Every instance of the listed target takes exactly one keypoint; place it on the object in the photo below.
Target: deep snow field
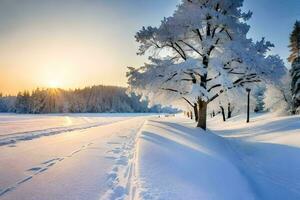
(136, 156)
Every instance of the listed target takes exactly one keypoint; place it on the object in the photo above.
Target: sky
(77, 43)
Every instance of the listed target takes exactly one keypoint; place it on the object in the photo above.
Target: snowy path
(81, 165)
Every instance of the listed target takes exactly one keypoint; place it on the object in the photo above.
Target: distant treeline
(93, 99)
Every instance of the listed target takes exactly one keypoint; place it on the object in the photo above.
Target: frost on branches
(278, 95)
(198, 54)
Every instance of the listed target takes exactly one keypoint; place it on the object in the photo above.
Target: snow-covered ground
(267, 153)
(71, 165)
(178, 161)
(233, 160)
(150, 157)
(15, 128)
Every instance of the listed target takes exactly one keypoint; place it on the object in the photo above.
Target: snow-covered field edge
(36, 130)
(14, 138)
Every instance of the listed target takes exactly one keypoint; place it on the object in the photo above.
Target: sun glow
(54, 84)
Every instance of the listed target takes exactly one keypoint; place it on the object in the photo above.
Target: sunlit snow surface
(15, 128)
(133, 156)
(71, 165)
(232, 160)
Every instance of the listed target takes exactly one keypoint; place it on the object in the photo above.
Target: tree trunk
(196, 112)
(229, 114)
(202, 105)
(223, 113)
(202, 109)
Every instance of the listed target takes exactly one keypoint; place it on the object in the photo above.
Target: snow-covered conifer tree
(294, 58)
(295, 85)
(295, 42)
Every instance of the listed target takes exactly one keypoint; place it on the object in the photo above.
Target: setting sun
(54, 84)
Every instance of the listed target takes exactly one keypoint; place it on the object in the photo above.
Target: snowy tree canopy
(200, 52)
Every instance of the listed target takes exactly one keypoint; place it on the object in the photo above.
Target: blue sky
(74, 43)
(273, 19)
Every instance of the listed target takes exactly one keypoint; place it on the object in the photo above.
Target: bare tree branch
(192, 47)
(199, 34)
(214, 86)
(188, 101)
(210, 79)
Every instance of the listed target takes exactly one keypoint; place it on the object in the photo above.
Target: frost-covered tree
(203, 52)
(259, 95)
(277, 96)
(93, 99)
(295, 42)
(295, 85)
(38, 101)
(276, 100)
(151, 82)
(294, 58)
(7, 103)
(23, 102)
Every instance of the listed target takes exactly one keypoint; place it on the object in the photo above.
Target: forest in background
(95, 99)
